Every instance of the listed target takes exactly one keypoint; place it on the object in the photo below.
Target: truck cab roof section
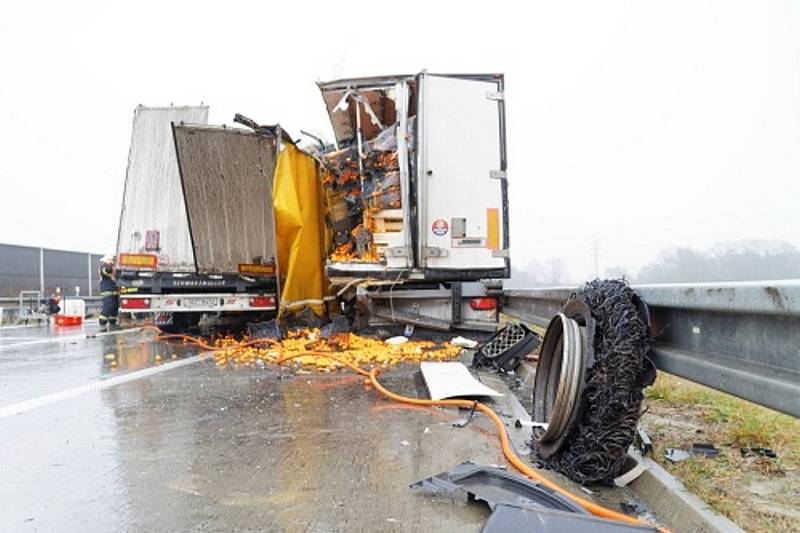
(227, 176)
(416, 185)
(153, 230)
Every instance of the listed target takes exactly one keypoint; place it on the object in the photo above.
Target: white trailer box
(446, 135)
(153, 219)
(196, 231)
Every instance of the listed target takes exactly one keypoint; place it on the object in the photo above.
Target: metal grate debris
(505, 349)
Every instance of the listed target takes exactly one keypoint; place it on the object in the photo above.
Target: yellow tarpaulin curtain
(300, 231)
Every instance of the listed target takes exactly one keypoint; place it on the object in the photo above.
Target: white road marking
(68, 338)
(48, 399)
(117, 332)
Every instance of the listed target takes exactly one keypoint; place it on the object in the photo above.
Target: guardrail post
(89, 271)
(41, 270)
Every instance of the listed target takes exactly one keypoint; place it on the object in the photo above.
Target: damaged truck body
(416, 193)
(412, 208)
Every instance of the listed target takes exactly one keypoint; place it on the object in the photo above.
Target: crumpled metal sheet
(518, 503)
(495, 486)
(507, 518)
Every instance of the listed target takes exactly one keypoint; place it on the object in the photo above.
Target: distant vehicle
(196, 231)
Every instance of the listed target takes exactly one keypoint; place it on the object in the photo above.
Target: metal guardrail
(741, 338)
(10, 307)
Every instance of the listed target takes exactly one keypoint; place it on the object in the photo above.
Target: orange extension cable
(372, 379)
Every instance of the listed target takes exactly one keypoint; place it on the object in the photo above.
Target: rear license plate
(199, 303)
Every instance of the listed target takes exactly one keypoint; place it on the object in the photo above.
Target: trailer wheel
(182, 322)
(587, 394)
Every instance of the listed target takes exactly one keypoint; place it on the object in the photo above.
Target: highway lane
(201, 448)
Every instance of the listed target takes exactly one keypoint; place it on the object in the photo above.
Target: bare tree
(746, 260)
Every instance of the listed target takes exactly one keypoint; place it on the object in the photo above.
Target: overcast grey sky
(645, 125)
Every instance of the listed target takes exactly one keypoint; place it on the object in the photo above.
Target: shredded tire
(612, 397)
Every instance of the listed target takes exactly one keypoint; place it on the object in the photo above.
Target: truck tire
(610, 337)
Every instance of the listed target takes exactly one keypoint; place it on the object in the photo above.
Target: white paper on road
(452, 380)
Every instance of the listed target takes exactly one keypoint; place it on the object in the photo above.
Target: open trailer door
(461, 178)
(227, 176)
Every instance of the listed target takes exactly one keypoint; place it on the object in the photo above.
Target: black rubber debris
(633, 508)
(764, 452)
(705, 449)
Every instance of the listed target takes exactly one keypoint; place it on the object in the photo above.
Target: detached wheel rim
(558, 379)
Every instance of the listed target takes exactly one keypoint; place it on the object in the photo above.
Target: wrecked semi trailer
(413, 193)
(196, 230)
(416, 197)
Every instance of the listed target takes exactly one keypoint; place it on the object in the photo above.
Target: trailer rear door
(153, 224)
(227, 178)
(461, 175)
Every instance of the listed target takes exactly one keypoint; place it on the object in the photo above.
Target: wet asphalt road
(198, 448)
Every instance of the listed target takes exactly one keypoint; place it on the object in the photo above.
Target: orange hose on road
(508, 451)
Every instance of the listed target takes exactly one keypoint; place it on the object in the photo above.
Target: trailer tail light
(135, 303)
(483, 304)
(262, 301)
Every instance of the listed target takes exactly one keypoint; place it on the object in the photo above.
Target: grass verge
(758, 493)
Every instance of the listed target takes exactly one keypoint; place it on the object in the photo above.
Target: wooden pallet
(387, 221)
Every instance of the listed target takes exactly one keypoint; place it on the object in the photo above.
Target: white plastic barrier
(73, 307)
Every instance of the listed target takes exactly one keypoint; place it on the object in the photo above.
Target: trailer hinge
(498, 174)
(500, 253)
(497, 96)
(397, 251)
(434, 251)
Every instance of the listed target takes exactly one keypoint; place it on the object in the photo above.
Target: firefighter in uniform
(109, 292)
